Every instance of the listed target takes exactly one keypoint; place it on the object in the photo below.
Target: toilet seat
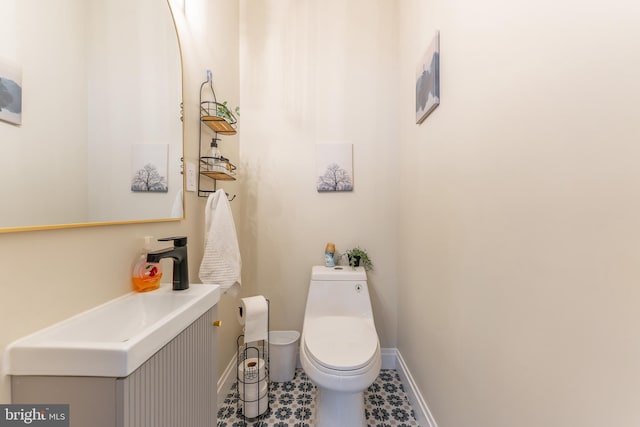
(341, 343)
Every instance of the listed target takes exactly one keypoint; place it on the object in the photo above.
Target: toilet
(339, 346)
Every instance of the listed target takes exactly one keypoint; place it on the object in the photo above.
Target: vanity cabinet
(174, 387)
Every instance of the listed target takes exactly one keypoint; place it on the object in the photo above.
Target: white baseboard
(391, 359)
(226, 381)
(419, 405)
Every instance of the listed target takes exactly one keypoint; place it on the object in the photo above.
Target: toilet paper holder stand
(252, 376)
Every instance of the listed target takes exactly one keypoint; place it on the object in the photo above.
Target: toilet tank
(338, 273)
(338, 291)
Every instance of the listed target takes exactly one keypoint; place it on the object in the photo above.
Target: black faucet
(179, 255)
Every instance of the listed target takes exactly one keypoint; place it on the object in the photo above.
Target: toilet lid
(341, 343)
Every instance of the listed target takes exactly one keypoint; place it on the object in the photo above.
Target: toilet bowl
(339, 346)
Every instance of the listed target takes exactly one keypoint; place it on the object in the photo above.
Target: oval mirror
(96, 137)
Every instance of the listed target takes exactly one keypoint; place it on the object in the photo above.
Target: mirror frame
(4, 230)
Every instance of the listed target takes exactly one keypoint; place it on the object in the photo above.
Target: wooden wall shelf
(219, 125)
(217, 117)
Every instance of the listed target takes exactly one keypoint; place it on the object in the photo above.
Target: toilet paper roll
(254, 315)
(251, 392)
(256, 406)
(251, 370)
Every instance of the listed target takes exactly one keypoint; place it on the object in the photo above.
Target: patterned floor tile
(292, 404)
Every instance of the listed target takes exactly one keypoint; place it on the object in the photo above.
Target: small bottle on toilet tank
(329, 255)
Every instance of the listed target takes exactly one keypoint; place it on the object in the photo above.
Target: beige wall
(50, 275)
(518, 220)
(316, 72)
(209, 40)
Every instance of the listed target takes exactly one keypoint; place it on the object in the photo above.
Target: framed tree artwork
(149, 168)
(335, 167)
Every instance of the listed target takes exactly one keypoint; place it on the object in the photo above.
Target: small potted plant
(224, 112)
(359, 257)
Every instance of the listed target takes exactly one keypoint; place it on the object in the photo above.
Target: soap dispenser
(146, 275)
(215, 154)
(214, 148)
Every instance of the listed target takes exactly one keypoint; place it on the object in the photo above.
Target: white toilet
(339, 346)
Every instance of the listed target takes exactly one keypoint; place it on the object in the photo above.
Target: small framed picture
(428, 80)
(335, 167)
(10, 93)
(149, 168)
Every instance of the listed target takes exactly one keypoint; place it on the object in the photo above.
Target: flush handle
(217, 323)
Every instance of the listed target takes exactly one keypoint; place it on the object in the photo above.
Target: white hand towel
(221, 262)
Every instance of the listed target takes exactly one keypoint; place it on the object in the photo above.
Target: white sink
(112, 339)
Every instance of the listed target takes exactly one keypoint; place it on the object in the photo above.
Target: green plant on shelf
(222, 110)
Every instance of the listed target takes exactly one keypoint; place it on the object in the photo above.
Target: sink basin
(112, 339)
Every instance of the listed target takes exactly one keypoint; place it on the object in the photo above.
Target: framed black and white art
(428, 80)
